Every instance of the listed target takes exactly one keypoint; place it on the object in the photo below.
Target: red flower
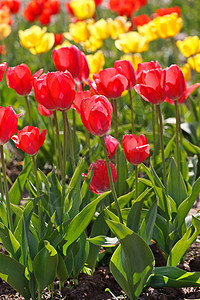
(59, 37)
(3, 68)
(45, 17)
(55, 90)
(98, 2)
(85, 71)
(168, 11)
(136, 148)
(100, 180)
(141, 20)
(13, 5)
(29, 139)
(126, 7)
(8, 123)
(44, 111)
(152, 89)
(68, 58)
(53, 6)
(146, 66)
(187, 92)
(96, 114)
(175, 82)
(111, 145)
(19, 78)
(80, 95)
(126, 68)
(110, 83)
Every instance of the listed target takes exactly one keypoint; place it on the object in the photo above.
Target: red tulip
(100, 180)
(136, 148)
(175, 82)
(80, 95)
(96, 114)
(59, 37)
(186, 94)
(98, 2)
(152, 89)
(141, 20)
(53, 6)
(29, 139)
(68, 58)
(111, 145)
(168, 11)
(8, 123)
(110, 83)
(19, 78)
(85, 71)
(44, 111)
(45, 17)
(126, 7)
(3, 68)
(126, 68)
(146, 66)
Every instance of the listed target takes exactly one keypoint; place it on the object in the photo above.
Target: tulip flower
(98, 2)
(8, 123)
(29, 139)
(85, 71)
(3, 68)
(5, 30)
(125, 7)
(99, 29)
(100, 180)
(58, 39)
(110, 83)
(118, 26)
(189, 46)
(92, 44)
(168, 11)
(96, 62)
(78, 32)
(44, 111)
(175, 82)
(96, 114)
(132, 42)
(125, 68)
(82, 9)
(168, 26)
(146, 66)
(111, 145)
(194, 62)
(141, 20)
(80, 95)
(135, 59)
(149, 31)
(68, 58)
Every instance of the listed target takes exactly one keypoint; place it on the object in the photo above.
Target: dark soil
(93, 286)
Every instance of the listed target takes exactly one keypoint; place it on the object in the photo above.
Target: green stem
(1, 189)
(115, 115)
(87, 133)
(29, 110)
(39, 202)
(154, 131)
(64, 156)
(10, 222)
(162, 145)
(58, 140)
(174, 50)
(71, 144)
(131, 106)
(74, 128)
(136, 181)
(178, 149)
(54, 143)
(111, 180)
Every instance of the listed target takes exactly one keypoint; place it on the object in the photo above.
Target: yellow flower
(99, 29)
(132, 42)
(83, 9)
(118, 26)
(92, 44)
(5, 30)
(168, 26)
(189, 46)
(186, 72)
(149, 31)
(194, 62)
(45, 45)
(78, 32)
(64, 44)
(96, 62)
(135, 59)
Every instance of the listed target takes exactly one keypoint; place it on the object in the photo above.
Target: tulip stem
(114, 104)
(154, 132)
(29, 110)
(58, 140)
(71, 144)
(39, 202)
(178, 149)
(87, 133)
(111, 180)
(162, 145)
(136, 181)
(74, 128)
(54, 143)
(10, 222)
(64, 156)
(131, 105)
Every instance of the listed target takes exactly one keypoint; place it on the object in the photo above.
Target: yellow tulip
(118, 26)
(92, 44)
(168, 26)
(186, 72)
(83, 9)
(5, 30)
(31, 37)
(96, 62)
(78, 32)
(149, 31)
(132, 42)
(189, 46)
(45, 45)
(135, 59)
(194, 62)
(99, 29)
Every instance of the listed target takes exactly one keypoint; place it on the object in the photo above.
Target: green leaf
(132, 262)
(191, 147)
(14, 274)
(123, 200)
(123, 174)
(173, 277)
(172, 184)
(62, 273)
(184, 243)
(146, 228)
(3, 213)
(80, 252)
(17, 188)
(104, 241)
(55, 198)
(81, 221)
(9, 241)
(45, 266)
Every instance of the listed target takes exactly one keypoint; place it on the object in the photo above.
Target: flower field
(99, 114)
